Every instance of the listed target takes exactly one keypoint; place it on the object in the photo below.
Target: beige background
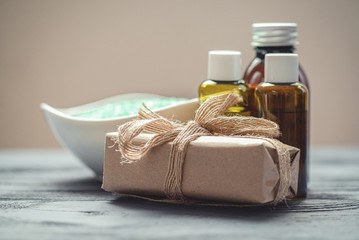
(68, 53)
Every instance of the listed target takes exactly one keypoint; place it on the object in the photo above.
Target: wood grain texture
(48, 194)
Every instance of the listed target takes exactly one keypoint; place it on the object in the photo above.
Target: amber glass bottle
(282, 99)
(224, 76)
(269, 38)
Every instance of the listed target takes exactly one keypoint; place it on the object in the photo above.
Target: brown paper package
(216, 168)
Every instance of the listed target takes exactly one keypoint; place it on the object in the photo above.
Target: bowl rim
(66, 112)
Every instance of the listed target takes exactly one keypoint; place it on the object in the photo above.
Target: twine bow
(207, 122)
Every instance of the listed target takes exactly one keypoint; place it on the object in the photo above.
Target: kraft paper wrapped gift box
(216, 168)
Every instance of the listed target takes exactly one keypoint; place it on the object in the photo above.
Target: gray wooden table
(49, 194)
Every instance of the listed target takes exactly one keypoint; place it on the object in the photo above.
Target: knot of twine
(207, 122)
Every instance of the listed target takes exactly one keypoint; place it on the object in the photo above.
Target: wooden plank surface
(48, 194)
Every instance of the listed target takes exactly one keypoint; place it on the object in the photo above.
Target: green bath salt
(127, 107)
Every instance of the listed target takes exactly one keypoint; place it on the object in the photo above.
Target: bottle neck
(226, 82)
(262, 51)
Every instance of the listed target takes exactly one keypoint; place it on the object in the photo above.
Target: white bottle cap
(224, 65)
(274, 34)
(281, 68)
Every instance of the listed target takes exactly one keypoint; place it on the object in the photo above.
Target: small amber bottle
(282, 99)
(224, 76)
(269, 38)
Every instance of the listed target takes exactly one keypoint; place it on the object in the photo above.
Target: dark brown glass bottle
(269, 38)
(282, 99)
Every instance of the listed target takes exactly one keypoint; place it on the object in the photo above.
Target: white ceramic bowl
(85, 137)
